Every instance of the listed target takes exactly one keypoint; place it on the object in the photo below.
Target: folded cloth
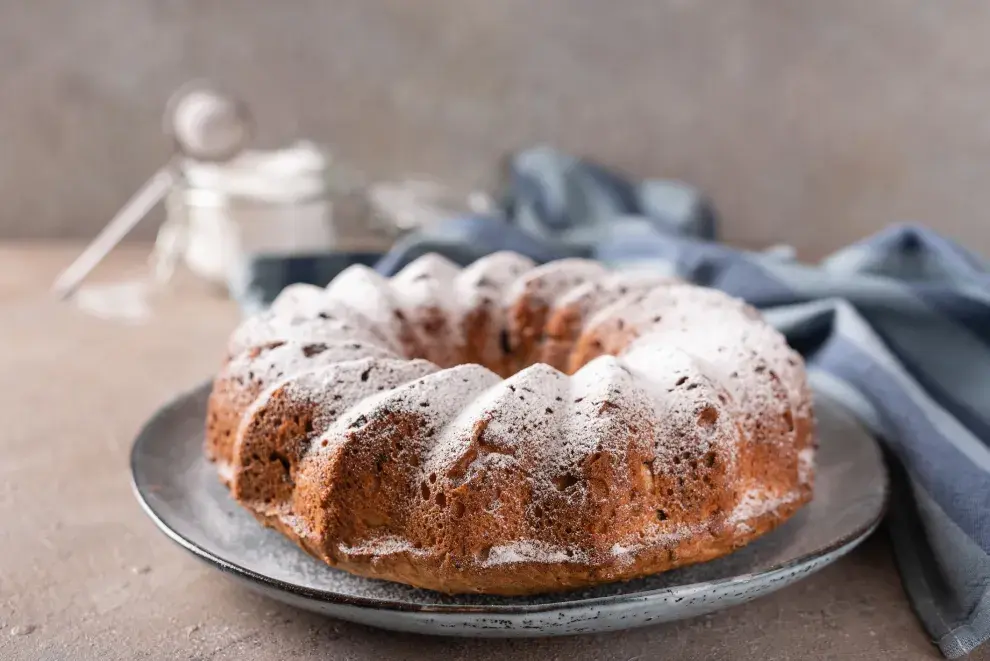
(897, 327)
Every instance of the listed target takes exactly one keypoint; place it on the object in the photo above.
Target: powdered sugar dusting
(481, 290)
(426, 293)
(357, 294)
(662, 537)
(485, 281)
(296, 298)
(806, 465)
(520, 419)
(544, 284)
(437, 397)
(364, 290)
(342, 386)
(423, 282)
(742, 353)
(381, 546)
(669, 536)
(270, 327)
(757, 502)
(619, 549)
(226, 471)
(682, 389)
(270, 365)
(298, 524)
(604, 396)
(592, 296)
(529, 550)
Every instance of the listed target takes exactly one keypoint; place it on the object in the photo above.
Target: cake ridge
(269, 327)
(482, 289)
(420, 389)
(489, 431)
(429, 304)
(366, 291)
(314, 400)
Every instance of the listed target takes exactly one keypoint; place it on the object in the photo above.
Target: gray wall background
(808, 122)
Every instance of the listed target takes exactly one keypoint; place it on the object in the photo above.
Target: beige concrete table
(84, 575)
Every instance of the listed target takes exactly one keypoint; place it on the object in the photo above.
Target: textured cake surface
(510, 428)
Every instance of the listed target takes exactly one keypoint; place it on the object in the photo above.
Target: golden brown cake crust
(512, 430)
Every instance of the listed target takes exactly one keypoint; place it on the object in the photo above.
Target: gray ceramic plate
(179, 490)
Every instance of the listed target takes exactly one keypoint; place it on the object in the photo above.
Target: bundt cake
(509, 428)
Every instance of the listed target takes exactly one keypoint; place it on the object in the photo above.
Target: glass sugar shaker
(205, 125)
(273, 202)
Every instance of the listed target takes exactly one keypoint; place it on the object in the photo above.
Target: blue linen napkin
(897, 327)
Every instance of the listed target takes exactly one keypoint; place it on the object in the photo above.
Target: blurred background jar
(289, 208)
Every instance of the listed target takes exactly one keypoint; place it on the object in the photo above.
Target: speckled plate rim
(817, 558)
